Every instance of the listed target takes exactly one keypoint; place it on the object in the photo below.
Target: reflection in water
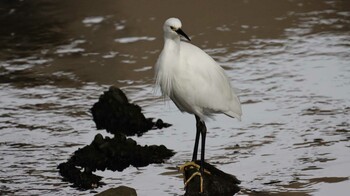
(289, 59)
(27, 28)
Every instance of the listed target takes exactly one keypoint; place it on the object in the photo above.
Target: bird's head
(172, 29)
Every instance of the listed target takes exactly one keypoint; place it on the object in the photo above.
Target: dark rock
(215, 183)
(118, 153)
(160, 124)
(82, 180)
(114, 113)
(119, 191)
(114, 154)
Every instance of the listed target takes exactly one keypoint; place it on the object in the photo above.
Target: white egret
(194, 82)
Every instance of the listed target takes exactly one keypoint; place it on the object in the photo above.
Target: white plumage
(195, 83)
(192, 79)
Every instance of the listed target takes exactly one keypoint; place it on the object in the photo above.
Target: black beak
(180, 32)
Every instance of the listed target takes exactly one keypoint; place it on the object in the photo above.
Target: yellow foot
(192, 165)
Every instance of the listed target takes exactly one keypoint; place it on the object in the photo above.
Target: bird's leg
(201, 130)
(193, 163)
(203, 133)
(195, 149)
(198, 131)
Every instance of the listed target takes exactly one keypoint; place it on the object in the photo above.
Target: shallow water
(289, 60)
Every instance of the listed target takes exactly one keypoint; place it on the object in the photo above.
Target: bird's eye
(172, 28)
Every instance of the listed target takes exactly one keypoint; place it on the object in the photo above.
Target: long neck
(167, 63)
(172, 45)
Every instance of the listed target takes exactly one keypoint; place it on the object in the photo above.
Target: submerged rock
(118, 153)
(114, 154)
(114, 113)
(215, 183)
(119, 191)
(83, 180)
